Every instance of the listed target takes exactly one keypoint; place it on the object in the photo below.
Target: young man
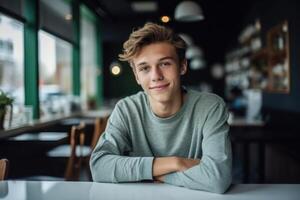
(165, 133)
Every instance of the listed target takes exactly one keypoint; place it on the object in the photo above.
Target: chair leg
(87, 170)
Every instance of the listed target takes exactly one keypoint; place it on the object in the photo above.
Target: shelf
(269, 67)
(261, 54)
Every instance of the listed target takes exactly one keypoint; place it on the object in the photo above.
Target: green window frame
(31, 71)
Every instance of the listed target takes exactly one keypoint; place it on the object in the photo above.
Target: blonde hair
(149, 34)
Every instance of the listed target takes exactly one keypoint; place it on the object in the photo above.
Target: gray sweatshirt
(134, 136)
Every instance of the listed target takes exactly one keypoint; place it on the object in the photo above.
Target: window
(55, 73)
(11, 58)
(88, 58)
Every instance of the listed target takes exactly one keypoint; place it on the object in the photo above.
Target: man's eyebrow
(141, 64)
(161, 59)
(166, 58)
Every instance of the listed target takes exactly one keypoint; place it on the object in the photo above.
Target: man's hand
(166, 165)
(186, 163)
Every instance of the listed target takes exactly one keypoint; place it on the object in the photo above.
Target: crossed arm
(166, 165)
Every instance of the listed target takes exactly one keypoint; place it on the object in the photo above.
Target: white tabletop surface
(31, 190)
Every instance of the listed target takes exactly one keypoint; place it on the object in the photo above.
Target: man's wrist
(176, 163)
(165, 165)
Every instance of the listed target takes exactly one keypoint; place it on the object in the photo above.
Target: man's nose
(156, 74)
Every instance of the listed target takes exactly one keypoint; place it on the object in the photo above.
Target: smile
(159, 87)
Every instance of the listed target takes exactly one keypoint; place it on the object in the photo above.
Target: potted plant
(5, 101)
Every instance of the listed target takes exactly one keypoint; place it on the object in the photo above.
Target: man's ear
(183, 67)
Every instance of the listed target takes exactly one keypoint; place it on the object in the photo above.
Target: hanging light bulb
(197, 63)
(165, 19)
(217, 71)
(188, 40)
(193, 51)
(188, 11)
(115, 68)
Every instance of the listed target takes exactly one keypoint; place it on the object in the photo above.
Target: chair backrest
(100, 125)
(77, 138)
(4, 165)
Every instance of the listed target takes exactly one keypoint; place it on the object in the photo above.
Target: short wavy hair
(151, 33)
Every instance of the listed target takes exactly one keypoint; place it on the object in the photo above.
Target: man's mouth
(159, 87)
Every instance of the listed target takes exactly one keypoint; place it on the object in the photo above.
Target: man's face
(157, 70)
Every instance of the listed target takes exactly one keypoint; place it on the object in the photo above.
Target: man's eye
(144, 69)
(163, 64)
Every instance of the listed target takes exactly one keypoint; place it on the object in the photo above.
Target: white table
(47, 190)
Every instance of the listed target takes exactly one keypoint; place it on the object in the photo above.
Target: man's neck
(169, 108)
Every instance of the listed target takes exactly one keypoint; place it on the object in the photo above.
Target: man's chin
(162, 98)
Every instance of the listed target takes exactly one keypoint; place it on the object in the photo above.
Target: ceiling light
(257, 25)
(188, 11)
(144, 6)
(115, 68)
(197, 63)
(165, 19)
(217, 71)
(193, 51)
(188, 40)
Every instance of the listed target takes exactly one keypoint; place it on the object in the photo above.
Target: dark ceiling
(223, 21)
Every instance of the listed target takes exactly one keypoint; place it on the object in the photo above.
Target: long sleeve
(108, 161)
(213, 173)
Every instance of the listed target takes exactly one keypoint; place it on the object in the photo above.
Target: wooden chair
(63, 151)
(4, 165)
(77, 138)
(100, 125)
(75, 157)
(99, 128)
